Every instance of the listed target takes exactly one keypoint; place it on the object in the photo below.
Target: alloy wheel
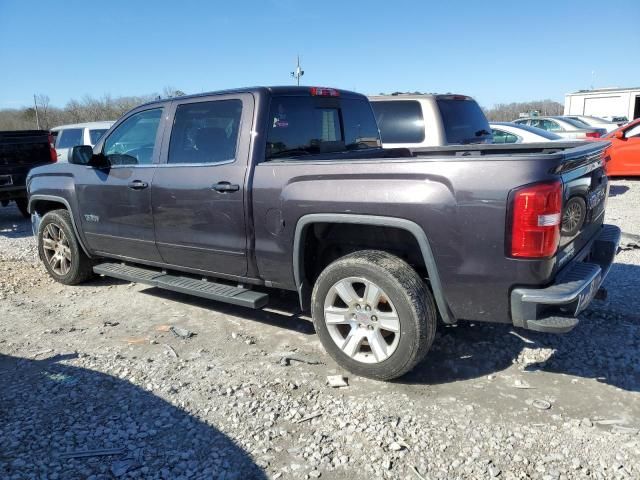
(362, 320)
(56, 249)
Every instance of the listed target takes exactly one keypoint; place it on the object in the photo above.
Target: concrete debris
(181, 332)
(541, 404)
(336, 381)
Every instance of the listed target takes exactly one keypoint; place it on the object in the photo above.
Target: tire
(23, 206)
(575, 212)
(56, 238)
(403, 302)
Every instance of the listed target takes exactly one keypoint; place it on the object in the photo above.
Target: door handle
(138, 185)
(224, 187)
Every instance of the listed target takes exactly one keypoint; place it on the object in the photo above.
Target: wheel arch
(39, 205)
(412, 228)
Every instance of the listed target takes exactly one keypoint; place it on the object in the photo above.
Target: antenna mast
(298, 72)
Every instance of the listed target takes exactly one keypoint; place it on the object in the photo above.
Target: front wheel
(374, 314)
(60, 251)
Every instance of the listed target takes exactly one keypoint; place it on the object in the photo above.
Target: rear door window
(70, 138)
(303, 126)
(500, 136)
(400, 121)
(205, 132)
(463, 121)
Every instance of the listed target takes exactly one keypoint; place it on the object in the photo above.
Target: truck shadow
(604, 346)
(13, 224)
(283, 310)
(51, 411)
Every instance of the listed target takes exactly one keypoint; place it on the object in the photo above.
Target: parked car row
(565, 127)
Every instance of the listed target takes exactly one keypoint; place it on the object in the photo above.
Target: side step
(191, 286)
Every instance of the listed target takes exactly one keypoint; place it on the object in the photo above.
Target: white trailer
(604, 102)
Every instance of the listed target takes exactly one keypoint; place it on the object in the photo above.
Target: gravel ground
(94, 384)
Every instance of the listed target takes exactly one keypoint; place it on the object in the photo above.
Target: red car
(624, 150)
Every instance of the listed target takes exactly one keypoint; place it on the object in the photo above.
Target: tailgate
(21, 150)
(585, 192)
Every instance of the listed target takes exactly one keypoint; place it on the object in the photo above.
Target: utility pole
(36, 105)
(298, 72)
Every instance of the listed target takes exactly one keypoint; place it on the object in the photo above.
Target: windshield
(301, 126)
(463, 121)
(575, 122)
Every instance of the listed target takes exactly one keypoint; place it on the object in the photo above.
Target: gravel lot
(94, 384)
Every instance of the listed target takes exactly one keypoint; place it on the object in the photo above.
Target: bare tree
(170, 91)
(506, 112)
(42, 102)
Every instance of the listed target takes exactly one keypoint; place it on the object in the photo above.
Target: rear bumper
(555, 308)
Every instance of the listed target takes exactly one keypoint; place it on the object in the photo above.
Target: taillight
(593, 134)
(537, 213)
(52, 149)
(324, 92)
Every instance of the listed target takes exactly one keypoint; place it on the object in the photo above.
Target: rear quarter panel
(460, 203)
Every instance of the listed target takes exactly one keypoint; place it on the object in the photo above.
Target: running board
(190, 286)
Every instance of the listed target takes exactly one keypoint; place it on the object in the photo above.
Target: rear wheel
(23, 206)
(374, 314)
(60, 251)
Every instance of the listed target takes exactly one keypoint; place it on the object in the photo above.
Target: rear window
(300, 126)
(96, 134)
(70, 138)
(576, 123)
(463, 121)
(400, 121)
(540, 132)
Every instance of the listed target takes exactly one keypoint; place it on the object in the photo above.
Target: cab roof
(272, 90)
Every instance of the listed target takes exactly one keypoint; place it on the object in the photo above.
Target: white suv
(69, 136)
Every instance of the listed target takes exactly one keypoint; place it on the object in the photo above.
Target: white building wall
(602, 103)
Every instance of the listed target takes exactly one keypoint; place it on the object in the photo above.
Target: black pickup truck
(227, 195)
(20, 151)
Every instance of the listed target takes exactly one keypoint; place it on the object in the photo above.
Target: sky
(498, 51)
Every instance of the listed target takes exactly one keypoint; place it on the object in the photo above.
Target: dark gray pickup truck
(230, 194)
(21, 150)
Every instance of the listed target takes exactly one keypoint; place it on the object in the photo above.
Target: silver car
(595, 122)
(563, 126)
(505, 132)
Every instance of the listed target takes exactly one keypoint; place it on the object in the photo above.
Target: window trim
(157, 146)
(171, 124)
